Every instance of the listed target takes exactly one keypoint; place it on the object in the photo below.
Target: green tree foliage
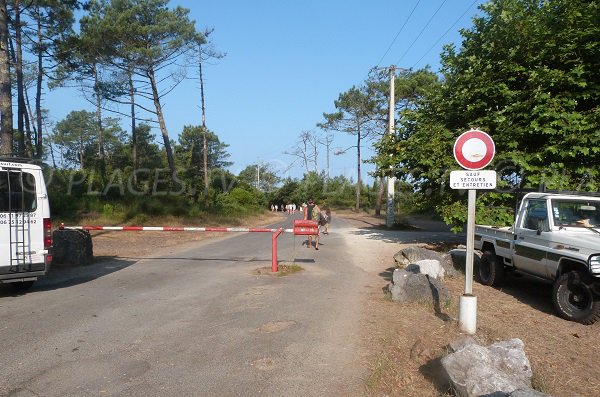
(260, 172)
(287, 193)
(411, 88)
(75, 137)
(190, 152)
(149, 154)
(241, 200)
(149, 37)
(190, 149)
(47, 22)
(356, 115)
(528, 73)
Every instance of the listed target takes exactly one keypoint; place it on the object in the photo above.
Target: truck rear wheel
(491, 269)
(574, 298)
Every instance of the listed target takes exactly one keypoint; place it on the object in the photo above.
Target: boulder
(72, 247)
(411, 255)
(527, 393)
(460, 344)
(497, 370)
(429, 267)
(408, 286)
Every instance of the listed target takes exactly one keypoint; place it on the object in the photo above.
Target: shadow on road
(64, 277)
(408, 237)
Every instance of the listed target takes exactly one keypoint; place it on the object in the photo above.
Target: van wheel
(491, 269)
(574, 298)
(22, 286)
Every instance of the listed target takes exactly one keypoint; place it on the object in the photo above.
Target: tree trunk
(31, 135)
(38, 89)
(99, 122)
(316, 154)
(359, 180)
(134, 138)
(161, 122)
(379, 196)
(19, 72)
(204, 143)
(6, 116)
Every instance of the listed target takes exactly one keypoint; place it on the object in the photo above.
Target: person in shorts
(325, 220)
(309, 215)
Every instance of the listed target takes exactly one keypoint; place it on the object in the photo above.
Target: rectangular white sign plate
(473, 180)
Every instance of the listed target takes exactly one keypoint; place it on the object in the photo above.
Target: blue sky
(286, 62)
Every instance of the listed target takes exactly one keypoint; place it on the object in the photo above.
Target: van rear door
(22, 236)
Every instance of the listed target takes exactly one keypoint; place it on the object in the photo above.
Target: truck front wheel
(491, 269)
(574, 298)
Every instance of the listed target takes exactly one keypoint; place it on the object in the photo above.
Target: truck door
(21, 232)
(531, 243)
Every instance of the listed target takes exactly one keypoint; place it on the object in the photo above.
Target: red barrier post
(274, 267)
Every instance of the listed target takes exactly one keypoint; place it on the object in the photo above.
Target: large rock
(429, 267)
(497, 370)
(411, 255)
(527, 393)
(72, 247)
(408, 286)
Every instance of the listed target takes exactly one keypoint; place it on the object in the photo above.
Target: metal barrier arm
(175, 229)
(300, 228)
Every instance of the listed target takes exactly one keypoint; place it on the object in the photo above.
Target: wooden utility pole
(258, 174)
(391, 178)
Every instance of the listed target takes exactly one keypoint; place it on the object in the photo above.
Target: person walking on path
(325, 219)
(311, 212)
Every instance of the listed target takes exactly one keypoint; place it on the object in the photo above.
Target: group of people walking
(289, 208)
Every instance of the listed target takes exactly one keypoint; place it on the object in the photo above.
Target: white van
(25, 226)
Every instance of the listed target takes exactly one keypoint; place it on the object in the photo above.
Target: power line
(421, 32)
(400, 31)
(445, 33)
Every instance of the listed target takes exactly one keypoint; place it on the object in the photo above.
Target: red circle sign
(474, 150)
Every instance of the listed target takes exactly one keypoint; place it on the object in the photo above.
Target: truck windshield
(576, 213)
(17, 192)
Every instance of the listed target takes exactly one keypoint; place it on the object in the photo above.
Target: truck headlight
(595, 264)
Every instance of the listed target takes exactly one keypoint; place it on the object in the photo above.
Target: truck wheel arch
(566, 265)
(488, 246)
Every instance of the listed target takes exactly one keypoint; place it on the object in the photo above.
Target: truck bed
(499, 237)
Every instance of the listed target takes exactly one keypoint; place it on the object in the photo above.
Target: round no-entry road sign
(474, 150)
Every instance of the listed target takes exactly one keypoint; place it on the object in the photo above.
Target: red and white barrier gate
(301, 228)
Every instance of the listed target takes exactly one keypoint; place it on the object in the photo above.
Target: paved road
(197, 323)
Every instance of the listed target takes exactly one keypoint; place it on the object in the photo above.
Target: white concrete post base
(467, 313)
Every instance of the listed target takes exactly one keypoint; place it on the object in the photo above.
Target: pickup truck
(555, 237)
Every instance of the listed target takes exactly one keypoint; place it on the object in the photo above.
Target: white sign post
(473, 150)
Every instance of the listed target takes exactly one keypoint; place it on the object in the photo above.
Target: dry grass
(282, 270)
(406, 341)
